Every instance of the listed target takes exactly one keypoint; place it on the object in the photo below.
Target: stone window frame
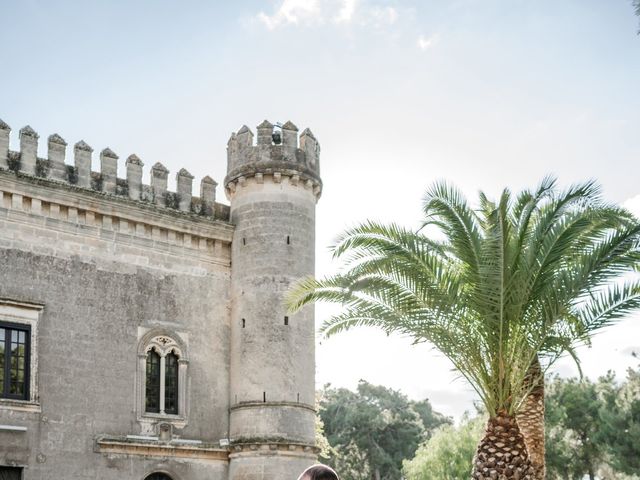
(28, 315)
(163, 341)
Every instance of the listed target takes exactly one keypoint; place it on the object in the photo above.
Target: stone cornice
(120, 206)
(243, 405)
(272, 448)
(174, 449)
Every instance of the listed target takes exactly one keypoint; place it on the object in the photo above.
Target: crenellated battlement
(106, 181)
(278, 152)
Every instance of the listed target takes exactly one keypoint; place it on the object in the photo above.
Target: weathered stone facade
(100, 272)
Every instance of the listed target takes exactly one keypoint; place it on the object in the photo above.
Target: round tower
(273, 187)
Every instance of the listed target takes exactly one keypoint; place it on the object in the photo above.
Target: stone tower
(273, 187)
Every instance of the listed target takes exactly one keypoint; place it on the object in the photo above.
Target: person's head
(318, 472)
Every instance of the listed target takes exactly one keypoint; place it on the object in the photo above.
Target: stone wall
(102, 266)
(107, 270)
(273, 187)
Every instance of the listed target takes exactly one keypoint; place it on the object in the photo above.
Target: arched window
(171, 384)
(152, 382)
(162, 378)
(158, 476)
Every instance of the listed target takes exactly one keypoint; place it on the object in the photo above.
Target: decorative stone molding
(106, 181)
(164, 342)
(164, 345)
(155, 448)
(242, 405)
(272, 447)
(274, 157)
(93, 215)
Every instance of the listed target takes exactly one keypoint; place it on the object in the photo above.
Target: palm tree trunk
(502, 454)
(531, 419)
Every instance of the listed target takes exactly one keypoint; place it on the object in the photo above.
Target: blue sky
(484, 93)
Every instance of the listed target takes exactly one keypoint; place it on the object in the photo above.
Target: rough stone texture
(107, 181)
(103, 281)
(134, 176)
(272, 358)
(56, 153)
(107, 268)
(88, 340)
(108, 170)
(28, 150)
(82, 158)
(5, 131)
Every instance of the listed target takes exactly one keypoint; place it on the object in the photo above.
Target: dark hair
(319, 472)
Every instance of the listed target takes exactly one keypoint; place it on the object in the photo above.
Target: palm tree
(514, 284)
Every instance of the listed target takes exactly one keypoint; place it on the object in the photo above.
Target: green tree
(373, 429)
(620, 417)
(448, 454)
(519, 280)
(574, 437)
(430, 418)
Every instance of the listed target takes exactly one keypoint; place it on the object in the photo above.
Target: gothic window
(162, 376)
(171, 384)
(153, 382)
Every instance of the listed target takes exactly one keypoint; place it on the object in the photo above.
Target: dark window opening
(288, 240)
(244, 241)
(14, 360)
(153, 383)
(157, 476)
(264, 397)
(171, 384)
(244, 323)
(286, 320)
(10, 473)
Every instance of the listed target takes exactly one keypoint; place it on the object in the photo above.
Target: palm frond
(522, 277)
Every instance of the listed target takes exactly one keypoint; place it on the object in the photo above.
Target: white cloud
(292, 12)
(383, 15)
(424, 43)
(317, 12)
(345, 15)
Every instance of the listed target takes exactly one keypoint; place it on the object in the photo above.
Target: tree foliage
(373, 429)
(620, 416)
(574, 446)
(523, 277)
(593, 428)
(448, 454)
(532, 274)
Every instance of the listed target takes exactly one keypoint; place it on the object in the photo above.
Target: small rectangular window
(286, 320)
(10, 473)
(14, 360)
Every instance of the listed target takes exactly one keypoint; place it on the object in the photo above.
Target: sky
(399, 93)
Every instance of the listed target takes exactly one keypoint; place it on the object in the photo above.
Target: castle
(143, 334)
